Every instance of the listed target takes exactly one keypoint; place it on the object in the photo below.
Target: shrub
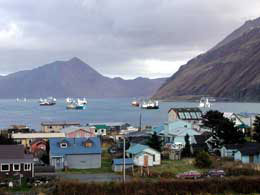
(202, 160)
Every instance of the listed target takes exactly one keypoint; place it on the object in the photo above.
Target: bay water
(30, 113)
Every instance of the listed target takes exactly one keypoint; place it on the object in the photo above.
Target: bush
(202, 160)
(238, 185)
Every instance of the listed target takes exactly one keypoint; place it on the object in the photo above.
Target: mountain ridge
(72, 78)
(229, 71)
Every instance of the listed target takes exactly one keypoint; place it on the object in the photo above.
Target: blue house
(249, 153)
(76, 153)
(175, 132)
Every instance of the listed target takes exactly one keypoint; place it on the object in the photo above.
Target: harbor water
(101, 110)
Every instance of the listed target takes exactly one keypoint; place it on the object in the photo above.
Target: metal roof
(136, 148)
(75, 146)
(75, 128)
(13, 153)
(60, 123)
(120, 161)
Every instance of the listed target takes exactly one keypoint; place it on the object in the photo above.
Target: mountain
(230, 70)
(73, 78)
(245, 28)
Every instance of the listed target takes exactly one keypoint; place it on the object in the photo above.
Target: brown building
(186, 114)
(56, 126)
(14, 162)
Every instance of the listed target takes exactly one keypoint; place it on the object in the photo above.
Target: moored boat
(150, 104)
(135, 103)
(50, 101)
(204, 103)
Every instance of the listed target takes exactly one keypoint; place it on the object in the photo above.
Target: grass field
(175, 166)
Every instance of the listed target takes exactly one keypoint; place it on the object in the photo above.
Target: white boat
(50, 101)
(69, 100)
(71, 106)
(82, 101)
(204, 103)
(150, 104)
(135, 103)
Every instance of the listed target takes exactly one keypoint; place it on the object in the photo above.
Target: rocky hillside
(231, 70)
(73, 78)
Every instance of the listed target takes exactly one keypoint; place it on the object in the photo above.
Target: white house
(143, 155)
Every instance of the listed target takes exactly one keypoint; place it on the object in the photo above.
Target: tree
(155, 142)
(202, 160)
(186, 151)
(257, 129)
(223, 130)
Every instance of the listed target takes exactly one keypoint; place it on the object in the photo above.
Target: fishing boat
(69, 100)
(50, 101)
(204, 103)
(82, 101)
(71, 106)
(150, 104)
(135, 103)
(80, 107)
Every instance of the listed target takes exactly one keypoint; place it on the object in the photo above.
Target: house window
(27, 167)
(88, 144)
(50, 127)
(63, 145)
(102, 131)
(16, 167)
(5, 167)
(95, 130)
(153, 157)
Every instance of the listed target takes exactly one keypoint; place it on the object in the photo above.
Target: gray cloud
(119, 38)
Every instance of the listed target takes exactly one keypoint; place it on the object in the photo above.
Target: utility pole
(140, 122)
(124, 160)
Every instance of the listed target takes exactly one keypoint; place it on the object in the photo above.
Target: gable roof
(187, 113)
(250, 148)
(14, 153)
(101, 126)
(60, 123)
(201, 139)
(137, 148)
(120, 161)
(11, 151)
(75, 128)
(75, 146)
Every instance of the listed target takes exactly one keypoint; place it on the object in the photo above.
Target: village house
(174, 132)
(193, 115)
(248, 153)
(113, 128)
(76, 153)
(14, 162)
(100, 130)
(78, 131)
(143, 155)
(229, 150)
(27, 138)
(118, 164)
(37, 145)
(56, 126)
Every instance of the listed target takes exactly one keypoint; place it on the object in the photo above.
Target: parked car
(189, 175)
(215, 173)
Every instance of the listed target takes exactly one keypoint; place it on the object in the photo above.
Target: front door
(145, 160)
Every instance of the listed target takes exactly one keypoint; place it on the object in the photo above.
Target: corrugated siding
(83, 161)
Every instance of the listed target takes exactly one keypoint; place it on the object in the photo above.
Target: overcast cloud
(126, 38)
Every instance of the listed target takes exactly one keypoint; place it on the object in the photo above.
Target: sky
(126, 38)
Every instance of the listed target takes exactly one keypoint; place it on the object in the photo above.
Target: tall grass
(244, 185)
